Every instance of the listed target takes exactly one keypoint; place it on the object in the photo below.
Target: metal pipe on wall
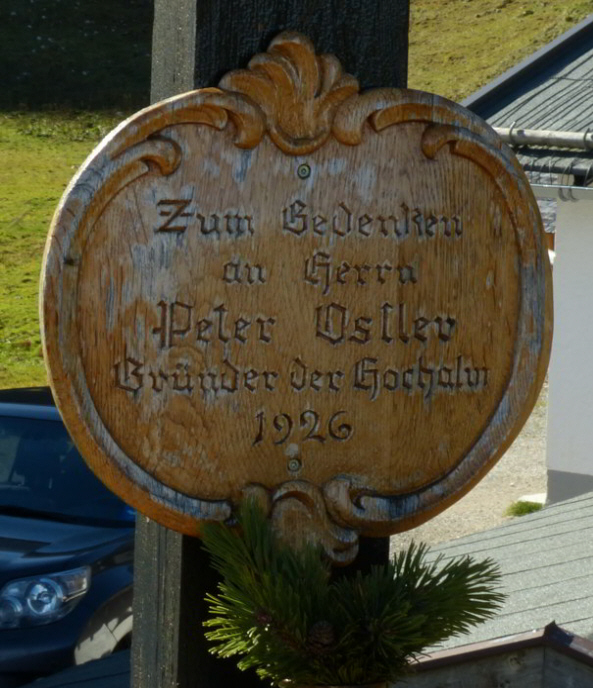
(544, 137)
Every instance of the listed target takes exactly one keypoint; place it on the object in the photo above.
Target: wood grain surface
(339, 303)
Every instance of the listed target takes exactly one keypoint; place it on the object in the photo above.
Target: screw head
(304, 171)
(294, 465)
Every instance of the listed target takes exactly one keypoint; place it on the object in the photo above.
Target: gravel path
(521, 471)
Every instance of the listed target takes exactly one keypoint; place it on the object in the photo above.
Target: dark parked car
(66, 547)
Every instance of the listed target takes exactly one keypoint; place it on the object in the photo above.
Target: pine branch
(278, 610)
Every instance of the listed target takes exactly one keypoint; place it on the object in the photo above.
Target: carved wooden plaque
(338, 302)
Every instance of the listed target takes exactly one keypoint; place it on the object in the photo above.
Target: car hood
(28, 545)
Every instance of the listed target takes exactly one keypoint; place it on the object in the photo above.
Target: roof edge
(552, 636)
(533, 63)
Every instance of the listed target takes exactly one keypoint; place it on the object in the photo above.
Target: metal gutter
(552, 636)
(563, 192)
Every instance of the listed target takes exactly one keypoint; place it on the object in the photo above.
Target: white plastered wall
(570, 401)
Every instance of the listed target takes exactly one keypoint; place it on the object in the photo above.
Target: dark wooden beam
(172, 575)
(369, 38)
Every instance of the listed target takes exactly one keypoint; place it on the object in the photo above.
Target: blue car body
(55, 516)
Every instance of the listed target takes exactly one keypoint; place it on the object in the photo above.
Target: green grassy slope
(457, 46)
(39, 153)
(94, 55)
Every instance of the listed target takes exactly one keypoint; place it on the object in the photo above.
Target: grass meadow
(71, 69)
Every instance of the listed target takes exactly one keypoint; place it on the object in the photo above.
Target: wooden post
(194, 44)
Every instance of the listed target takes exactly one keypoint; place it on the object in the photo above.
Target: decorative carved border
(298, 99)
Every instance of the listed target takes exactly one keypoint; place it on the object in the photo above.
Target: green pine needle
(281, 612)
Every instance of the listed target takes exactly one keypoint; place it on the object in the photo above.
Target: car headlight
(42, 599)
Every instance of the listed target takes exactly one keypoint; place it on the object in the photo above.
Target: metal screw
(294, 465)
(304, 171)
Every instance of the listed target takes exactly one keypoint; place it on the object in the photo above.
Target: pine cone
(262, 618)
(289, 640)
(321, 637)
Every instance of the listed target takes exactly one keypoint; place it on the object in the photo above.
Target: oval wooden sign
(340, 302)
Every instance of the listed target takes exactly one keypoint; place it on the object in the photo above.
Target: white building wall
(570, 401)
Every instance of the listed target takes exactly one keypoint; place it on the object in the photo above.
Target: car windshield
(42, 474)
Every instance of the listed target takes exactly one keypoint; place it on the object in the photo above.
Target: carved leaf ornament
(336, 302)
